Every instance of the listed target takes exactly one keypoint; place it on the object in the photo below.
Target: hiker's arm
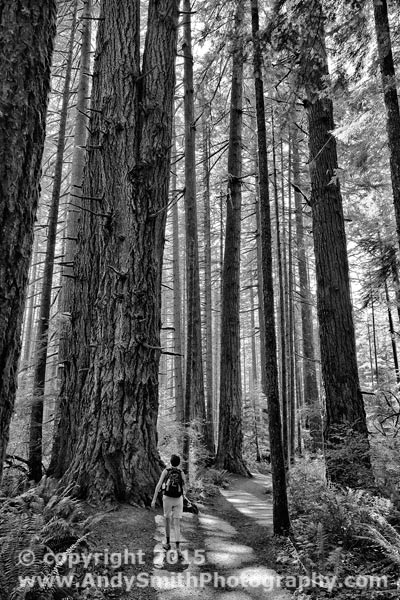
(183, 484)
(158, 488)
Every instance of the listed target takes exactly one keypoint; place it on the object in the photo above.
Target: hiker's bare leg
(177, 527)
(168, 529)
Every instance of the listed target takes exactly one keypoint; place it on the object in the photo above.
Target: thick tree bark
(24, 90)
(313, 420)
(281, 520)
(108, 438)
(194, 391)
(78, 164)
(229, 453)
(391, 99)
(345, 413)
(73, 215)
(39, 376)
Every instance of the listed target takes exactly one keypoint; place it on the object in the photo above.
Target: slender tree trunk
(260, 292)
(24, 89)
(253, 375)
(299, 387)
(194, 391)
(313, 420)
(177, 300)
(392, 334)
(281, 521)
(229, 454)
(282, 329)
(29, 324)
(375, 344)
(108, 446)
(208, 285)
(39, 377)
(291, 324)
(388, 75)
(345, 412)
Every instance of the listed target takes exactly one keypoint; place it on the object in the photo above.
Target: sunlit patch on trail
(250, 506)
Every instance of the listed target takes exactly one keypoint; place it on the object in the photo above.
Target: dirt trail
(227, 547)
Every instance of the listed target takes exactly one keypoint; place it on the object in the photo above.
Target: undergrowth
(38, 532)
(342, 532)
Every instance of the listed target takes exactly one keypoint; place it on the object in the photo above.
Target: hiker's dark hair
(175, 460)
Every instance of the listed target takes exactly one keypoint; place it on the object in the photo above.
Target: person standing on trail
(172, 482)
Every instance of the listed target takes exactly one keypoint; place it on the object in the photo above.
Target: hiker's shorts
(173, 507)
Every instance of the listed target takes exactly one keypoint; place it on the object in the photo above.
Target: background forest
(199, 252)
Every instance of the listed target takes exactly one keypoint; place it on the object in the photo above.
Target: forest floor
(229, 550)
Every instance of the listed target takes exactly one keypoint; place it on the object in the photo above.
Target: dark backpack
(173, 484)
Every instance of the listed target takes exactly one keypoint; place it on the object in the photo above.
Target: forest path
(226, 548)
(229, 550)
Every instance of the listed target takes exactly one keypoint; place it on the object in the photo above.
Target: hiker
(172, 482)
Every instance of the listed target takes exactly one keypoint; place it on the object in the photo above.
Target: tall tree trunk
(230, 439)
(253, 372)
(177, 303)
(392, 334)
(261, 319)
(281, 520)
(194, 391)
(375, 342)
(210, 444)
(282, 319)
(108, 442)
(73, 213)
(78, 162)
(313, 420)
(291, 323)
(39, 376)
(24, 90)
(388, 75)
(345, 413)
(29, 323)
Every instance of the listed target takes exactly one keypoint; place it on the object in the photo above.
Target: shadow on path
(226, 549)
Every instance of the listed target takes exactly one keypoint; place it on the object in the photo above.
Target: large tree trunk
(24, 89)
(73, 213)
(345, 413)
(108, 438)
(391, 99)
(281, 520)
(229, 454)
(194, 391)
(39, 376)
(313, 420)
